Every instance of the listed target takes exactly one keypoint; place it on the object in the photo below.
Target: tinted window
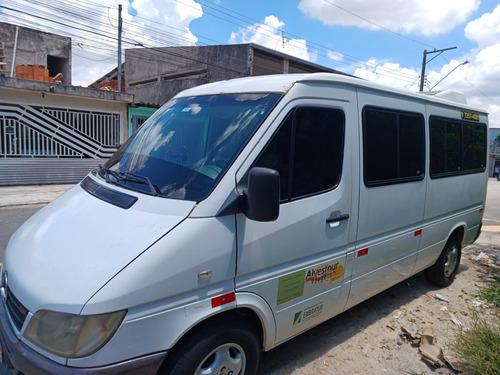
(307, 151)
(393, 144)
(457, 147)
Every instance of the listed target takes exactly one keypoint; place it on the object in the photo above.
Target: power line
(160, 37)
(495, 102)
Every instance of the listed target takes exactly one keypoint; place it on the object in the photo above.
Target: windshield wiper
(131, 177)
(108, 172)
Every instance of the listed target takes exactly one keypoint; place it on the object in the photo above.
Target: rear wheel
(220, 347)
(443, 272)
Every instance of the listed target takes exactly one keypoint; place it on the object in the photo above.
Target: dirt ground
(368, 339)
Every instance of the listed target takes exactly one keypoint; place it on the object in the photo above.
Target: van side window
(393, 146)
(457, 147)
(307, 151)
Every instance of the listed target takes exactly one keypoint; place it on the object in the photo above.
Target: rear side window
(393, 146)
(307, 151)
(457, 147)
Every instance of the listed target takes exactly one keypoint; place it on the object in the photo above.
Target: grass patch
(479, 347)
(492, 294)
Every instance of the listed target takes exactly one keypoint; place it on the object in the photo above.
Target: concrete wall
(154, 75)
(37, 47)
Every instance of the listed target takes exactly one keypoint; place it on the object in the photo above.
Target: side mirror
(263, 194)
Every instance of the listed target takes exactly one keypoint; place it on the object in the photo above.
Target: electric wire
(86, 11)
(171, 39)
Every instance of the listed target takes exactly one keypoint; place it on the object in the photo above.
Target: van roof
(281, 83)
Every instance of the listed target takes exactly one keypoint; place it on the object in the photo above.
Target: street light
(465, 62)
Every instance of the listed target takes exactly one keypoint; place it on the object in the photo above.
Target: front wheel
(220, 347)
(443, 272)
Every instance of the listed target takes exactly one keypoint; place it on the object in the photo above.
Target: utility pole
(424, 62)
(120, 48)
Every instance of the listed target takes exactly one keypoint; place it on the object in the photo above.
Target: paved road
(492, 211)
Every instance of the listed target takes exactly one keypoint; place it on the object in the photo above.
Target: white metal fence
(31, 137)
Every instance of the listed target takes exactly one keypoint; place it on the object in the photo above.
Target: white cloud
(485, 31)
(268, 34)
(421, 17)
(178, 17)
(388, 73)
(335, 56)
(151, 23)
(479, 80)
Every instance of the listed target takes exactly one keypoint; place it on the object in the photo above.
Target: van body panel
(432, 239)
(324, 295)
(390, 216)
(462, 193)
(260, 307)
(86, 259)
(390, 270)
(157, 326)
(452, 201)
(193, 247)
(274, 248)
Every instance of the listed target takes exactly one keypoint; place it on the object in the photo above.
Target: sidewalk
(11, 196)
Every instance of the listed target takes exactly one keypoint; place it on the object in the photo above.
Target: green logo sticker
(291, 286)
(297, 319)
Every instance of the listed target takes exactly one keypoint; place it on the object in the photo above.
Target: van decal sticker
(470, 116)
(297, 319)
(327, 272)
(308, 313)
(222, 300)
(291, 286)
(362, 252)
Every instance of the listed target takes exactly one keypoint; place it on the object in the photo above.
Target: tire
(225, 347)
(443, 272)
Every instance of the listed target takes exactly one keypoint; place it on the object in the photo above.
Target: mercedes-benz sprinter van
(241, 214)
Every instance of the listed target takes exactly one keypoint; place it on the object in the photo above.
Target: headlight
(72, 336)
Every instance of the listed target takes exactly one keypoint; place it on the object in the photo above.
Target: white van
(241, 214)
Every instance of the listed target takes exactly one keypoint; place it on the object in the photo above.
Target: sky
(381, 41)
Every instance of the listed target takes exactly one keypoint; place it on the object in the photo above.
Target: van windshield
(184, 149)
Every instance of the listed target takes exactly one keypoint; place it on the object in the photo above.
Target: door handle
(335, 221)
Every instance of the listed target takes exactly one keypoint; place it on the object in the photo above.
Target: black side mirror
(263, 194)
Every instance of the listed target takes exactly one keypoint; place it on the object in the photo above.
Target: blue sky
(379, 40)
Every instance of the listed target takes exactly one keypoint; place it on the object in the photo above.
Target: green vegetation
(479, 347)
(492, 294)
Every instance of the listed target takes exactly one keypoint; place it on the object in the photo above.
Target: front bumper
(24, 359)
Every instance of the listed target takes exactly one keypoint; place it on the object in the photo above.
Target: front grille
(16, 310)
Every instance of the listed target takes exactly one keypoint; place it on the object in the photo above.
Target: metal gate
(34, 139)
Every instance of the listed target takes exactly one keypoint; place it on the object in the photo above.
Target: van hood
(71, 248)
